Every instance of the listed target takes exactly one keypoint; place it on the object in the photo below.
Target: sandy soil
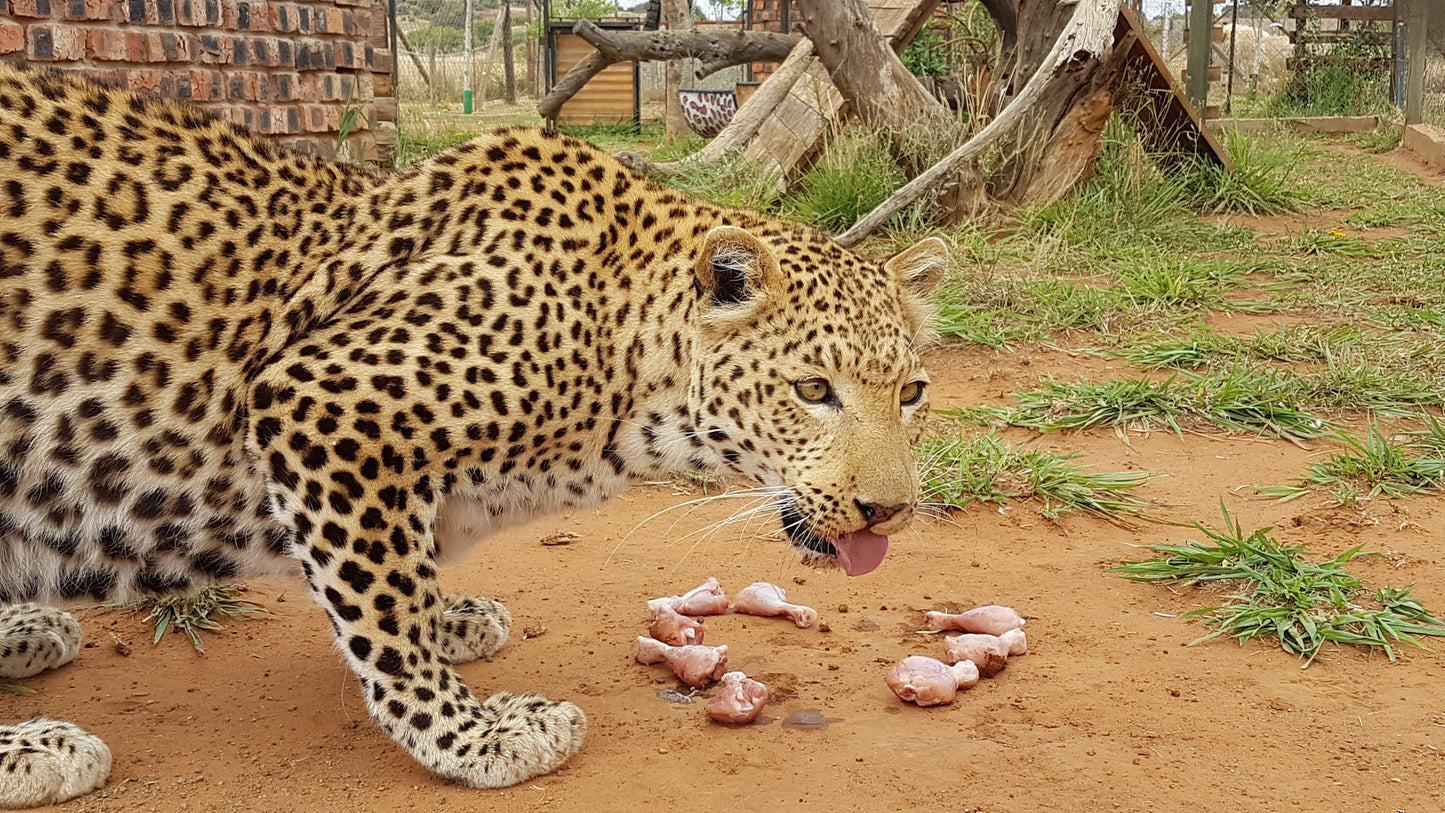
(1110, 710)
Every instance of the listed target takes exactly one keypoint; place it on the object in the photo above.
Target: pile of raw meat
(992, 634)
(677, 635)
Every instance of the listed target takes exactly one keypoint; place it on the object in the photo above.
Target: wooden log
(678, 14)
(717, 50)
(1087, 36)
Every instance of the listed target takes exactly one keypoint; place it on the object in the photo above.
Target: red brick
(12, 38)
(147, 12)
(135, 46)
(285, 17)
(245, 15)
(144, 81)
(207, 85)
(112, 10)
(32, 8)
(310, 88)
(313, 118)
(111, 77)
(212, 50)
(286, 86)
(105, 44)
(54, 43)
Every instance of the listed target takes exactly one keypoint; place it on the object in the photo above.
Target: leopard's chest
(474, 510)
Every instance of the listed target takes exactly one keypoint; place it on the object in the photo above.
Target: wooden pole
(1200, 23)
(509, 71)
(1416, 35)
(1168, 13)
(678, 14)
(467, 59)
(531, 54)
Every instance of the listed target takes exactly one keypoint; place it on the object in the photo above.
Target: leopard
(221, 358)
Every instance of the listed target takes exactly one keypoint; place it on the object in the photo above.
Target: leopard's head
(808, 380)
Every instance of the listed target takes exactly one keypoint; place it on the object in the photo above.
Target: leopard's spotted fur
(218, 358)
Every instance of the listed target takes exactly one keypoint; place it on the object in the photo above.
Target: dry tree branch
(717, 50)
(1086, 38)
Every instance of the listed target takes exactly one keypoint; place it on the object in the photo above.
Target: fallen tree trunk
(882, 93)
(716, 50)
(1079, 48)
(735, 137)
(887, 98)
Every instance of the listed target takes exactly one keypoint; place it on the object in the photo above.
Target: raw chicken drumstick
(930, 682)
(671, 627)
(990, 620)
(988, 652)
(707, 598)
(740, 700)
(696, 665)
(762, 598)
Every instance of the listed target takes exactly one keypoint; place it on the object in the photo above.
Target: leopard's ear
(734, 271)
(920, 267)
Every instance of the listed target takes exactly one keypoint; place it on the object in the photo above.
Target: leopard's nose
(875, 514)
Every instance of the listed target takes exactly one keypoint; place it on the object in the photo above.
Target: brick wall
(285, 69)
(769, 15)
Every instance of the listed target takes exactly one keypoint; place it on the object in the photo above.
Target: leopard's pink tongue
(860, 552)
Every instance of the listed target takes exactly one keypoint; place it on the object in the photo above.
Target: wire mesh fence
(437, 65)
(1302, 57)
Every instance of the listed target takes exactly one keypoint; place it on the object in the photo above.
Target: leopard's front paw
(518, 737)
(46, 762)
(472, 628)
(35, 638)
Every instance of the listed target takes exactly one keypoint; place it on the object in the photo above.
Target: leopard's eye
(911, 393)
(814, 390)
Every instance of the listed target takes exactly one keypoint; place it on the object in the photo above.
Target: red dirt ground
(1108, 711)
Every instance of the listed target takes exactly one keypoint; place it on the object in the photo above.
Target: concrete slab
(1329, 125)
(1427, 142)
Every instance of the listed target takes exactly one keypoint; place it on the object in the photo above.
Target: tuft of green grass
(1383, 138)
(956, 472)
(1178, 282)
(1279, 595)
(1375, 465)
(1239, 400)
(191, 613)
(854, 174)
(1332, 242)
(11, 688)
(731, 182)
(1262, 182)
(1303, 343)
(418, 145)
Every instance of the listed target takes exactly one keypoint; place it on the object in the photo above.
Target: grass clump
(1375, 465)
(1262, 182)
(194, 612)
(957, 471)
(417, 145)
(1241, 400)
(731, 182)
(1178, 283)
(1304, 343)
(854, 175)
(11, 688)
(1280, 596)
